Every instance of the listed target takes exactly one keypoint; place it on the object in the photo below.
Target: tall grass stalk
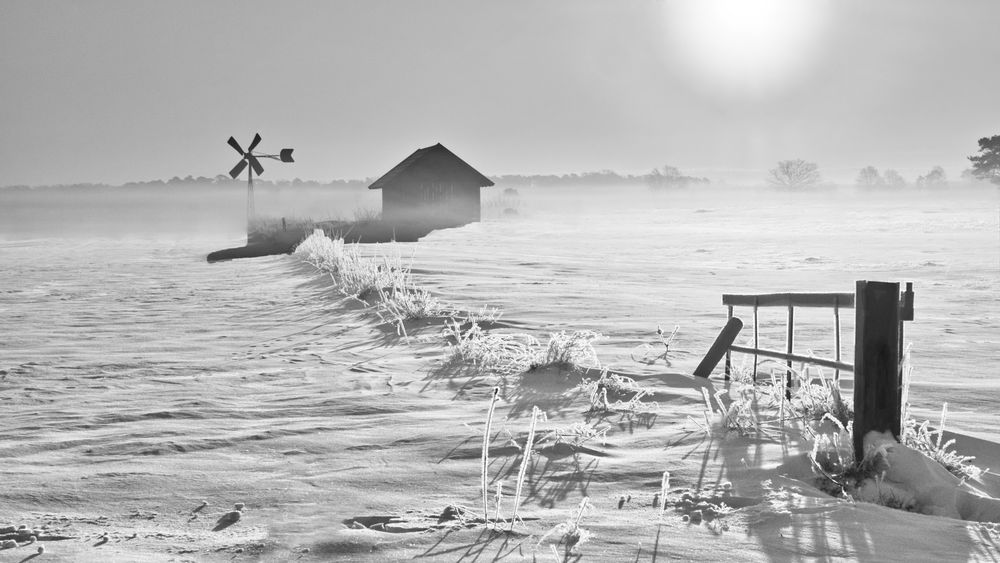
(499, 496)
(708, 407)
(940, 430)
(664, 487)
(536, 413)
(486, 455)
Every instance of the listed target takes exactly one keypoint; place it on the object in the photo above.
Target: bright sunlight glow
(744, 47)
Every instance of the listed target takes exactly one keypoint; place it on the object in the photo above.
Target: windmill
(250, 158)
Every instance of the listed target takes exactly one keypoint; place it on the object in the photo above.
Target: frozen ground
(137, 381)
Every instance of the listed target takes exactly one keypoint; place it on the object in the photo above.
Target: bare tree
(934, 178)
(869, 176)
(893, 178)
(794, 174)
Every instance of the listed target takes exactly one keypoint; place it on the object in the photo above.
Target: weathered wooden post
(877, 374)
(789, 349)
(756, 336)
(729, 355)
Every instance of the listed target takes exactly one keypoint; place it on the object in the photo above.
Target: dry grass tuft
(570, 533)
(569, 351)
(517, 353)
(501, 353)
(838, 473)
(612, 392)
(382, 281)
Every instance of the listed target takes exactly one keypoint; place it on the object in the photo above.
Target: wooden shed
(432, 186)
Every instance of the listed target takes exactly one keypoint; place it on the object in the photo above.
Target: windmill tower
(249, 158)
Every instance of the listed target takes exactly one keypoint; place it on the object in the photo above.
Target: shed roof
(431, 164)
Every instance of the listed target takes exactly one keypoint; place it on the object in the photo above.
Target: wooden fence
(880, 311)
(790, 301)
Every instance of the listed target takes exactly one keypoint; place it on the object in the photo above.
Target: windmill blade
(286, 155)
(254, 143)
(255, 164)
(235, 145)
(238, 169)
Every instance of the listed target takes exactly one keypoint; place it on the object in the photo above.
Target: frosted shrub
(575, 435)
(321, 251)
(741, 415)
(612, 392)
(485, 314)
(506, 354)
(365, 277)
(832, 458)
(928, 442)
(569, 350)
(406, 303)
(809, 400)
(354, 274)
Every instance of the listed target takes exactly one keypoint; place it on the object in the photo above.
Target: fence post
(877, 377)
(756, 340)
(789, 349)
(729, 355)
(836, 334)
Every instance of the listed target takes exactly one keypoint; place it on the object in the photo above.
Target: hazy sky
(103, 91)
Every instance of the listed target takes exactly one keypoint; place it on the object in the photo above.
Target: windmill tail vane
(249, 158)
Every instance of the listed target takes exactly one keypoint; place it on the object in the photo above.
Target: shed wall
(437, 203)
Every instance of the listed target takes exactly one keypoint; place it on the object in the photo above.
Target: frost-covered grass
(353, 273)
(575, 435)
(929, 442)
(920, 437)
(770, 404)
(502, 353)
(649, 354)
(321, 251)
(382, 280)
(398, 304)
(612, 392)
(568, 351)
(518, 353)
(832, 454)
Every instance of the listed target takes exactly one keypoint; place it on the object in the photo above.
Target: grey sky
(105, 91)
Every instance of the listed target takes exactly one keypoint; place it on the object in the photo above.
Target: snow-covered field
(137, 381)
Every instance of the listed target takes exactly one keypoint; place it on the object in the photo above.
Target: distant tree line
(795, 173)
(870, 177)
(658, 178)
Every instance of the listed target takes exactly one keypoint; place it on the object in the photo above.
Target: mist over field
(186, 209)
(612, 281)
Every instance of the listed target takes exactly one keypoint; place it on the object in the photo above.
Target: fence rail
(845, 300)
(833, 364)
(878, 347)
(790, 301)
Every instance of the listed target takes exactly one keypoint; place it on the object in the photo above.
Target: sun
(744, 47)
